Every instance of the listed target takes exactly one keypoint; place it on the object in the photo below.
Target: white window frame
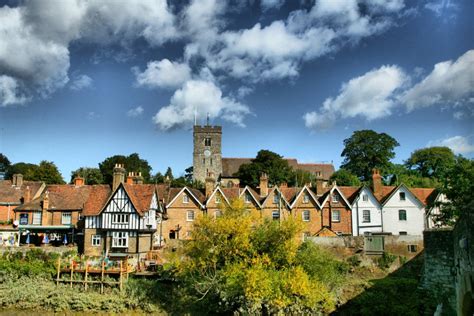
(402, 196)
(366, 216)
(120, 218)
(365, 197)
(276, 215)
(218, 199)
(400, 213)
(336, 216)
(190, 216)
(119, 239)
(185, 199)
(36, 218)
(306, 198)
(95, 240)
(66, 215)
(335, 197)
(306, 215)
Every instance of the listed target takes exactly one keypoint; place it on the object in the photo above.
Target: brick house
(336, 211)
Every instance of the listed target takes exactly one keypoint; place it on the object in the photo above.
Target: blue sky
(83, 80)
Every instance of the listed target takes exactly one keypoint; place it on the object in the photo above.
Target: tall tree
(4, 163)
(132, 163)
(90, 175)
(432, 161)
(169, 174)
(345, 178)
(28, 170)
(268, 162)
(366, 150)
(48, 172)
(398, 173)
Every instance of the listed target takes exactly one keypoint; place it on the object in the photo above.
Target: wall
(375, 224)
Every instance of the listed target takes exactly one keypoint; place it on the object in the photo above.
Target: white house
(366, 213)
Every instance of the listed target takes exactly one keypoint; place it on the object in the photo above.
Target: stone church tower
(207, 154)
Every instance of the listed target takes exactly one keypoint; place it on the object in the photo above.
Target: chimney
(139, 178)
(319, 186)
(27, 194)
(119, 176)
(130, 178)
(17, 180)
(210, 184)
(284, 185)
(263, 185)
(46, 201)
(377, 183)
(78, 181)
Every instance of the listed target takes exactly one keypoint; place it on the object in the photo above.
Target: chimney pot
(119, 176)
(78, 181)
(17, 180)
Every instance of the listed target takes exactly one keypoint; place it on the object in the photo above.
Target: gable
(410, 198)
(269, 200)
(371, 199)
(212, 200)
(299, 199)
(120, 202)
(179, 200)
(253, 198)
(342, 199)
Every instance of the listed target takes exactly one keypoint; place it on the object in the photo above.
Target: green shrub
(385, 261)
(354, 261)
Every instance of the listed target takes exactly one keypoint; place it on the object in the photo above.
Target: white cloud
(438, 7)
(370, 96)
(163, 74)
(271, 4)
(10, 92)
(135, 112)
(458, 144)
(80, 82)
(449, 83)
(202, 98)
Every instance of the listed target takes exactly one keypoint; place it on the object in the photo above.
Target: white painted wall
(375, 224)
(415, 223)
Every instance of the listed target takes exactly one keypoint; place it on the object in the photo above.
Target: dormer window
(402, 196)
(335, 197)
(185, 199)
(306, 198)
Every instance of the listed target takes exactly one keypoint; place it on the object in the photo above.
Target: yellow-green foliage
(239, 262)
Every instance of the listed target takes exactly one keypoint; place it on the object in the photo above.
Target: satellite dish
(15, 223)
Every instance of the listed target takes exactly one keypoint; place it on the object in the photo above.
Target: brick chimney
(46, 201)
(284, 185)
(210, 184)
(17, 180)
(27, 194)
(130, 178)
(78, 181)
(319, 186)
(134, 178)
(263, 185)
(377, 183)
(119, 176)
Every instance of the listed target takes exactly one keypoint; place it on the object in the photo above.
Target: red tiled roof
(231, 165)
(424, 194)
(13, 194)
(350, 193)
(289, 193)
(98, 196)
(140, 195)
(232, 193)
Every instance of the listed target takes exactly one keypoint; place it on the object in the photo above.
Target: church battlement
(207, 129)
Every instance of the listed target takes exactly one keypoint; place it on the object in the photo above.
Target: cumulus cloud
(450, 83)
(135, 112)
(369, 96)
(200, 98)
(80, 82)
(458, 144)
(271, 4)
(163, 74)
(438, 7)
(10, 92)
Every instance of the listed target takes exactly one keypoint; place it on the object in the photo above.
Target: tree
(431, 162)
(239, 262)
(345, 178)
(397, 174)
(268, 162)
(47, 172)
(4, 163)
(169, 174)
(366, 150)
(90, 175)
(458, 186)
(28, 170)
(132, 163)
(188, 174)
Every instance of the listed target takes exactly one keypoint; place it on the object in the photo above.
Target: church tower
(207, 154)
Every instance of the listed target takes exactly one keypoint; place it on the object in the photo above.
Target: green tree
(345, 178)
(169, 174)
(26, 169)
(90, 175)
(47, 172)
(4, 163)
(398, 174)
(268, 162)
(431, 162)
(366, 150)
(458, 186)
(132, 163)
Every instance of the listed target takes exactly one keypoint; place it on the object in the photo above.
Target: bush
(354, 261)
(385, 261)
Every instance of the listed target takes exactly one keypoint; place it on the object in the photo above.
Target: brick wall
(6, 212)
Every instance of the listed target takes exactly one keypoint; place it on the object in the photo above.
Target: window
(335, 197)
(218, 199)
(190, 216)
(185, 199)
(119, 239)
(402, 196)
(306, 198)
(402, 233)
(247, 198)
(366, 216)
(365, 197)
(412, 248)
(306, 216)
(172, 234)
(24, 219)
(276, 215)
(217, 214)
(95, 240)
(36, 218)
(306, 235)
(211, 162)
(120, 218)
(402, 215)
(336, 216)
(275, 198)
(207, 142)
(66, 218)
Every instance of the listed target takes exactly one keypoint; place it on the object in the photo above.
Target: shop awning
(38, 227)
